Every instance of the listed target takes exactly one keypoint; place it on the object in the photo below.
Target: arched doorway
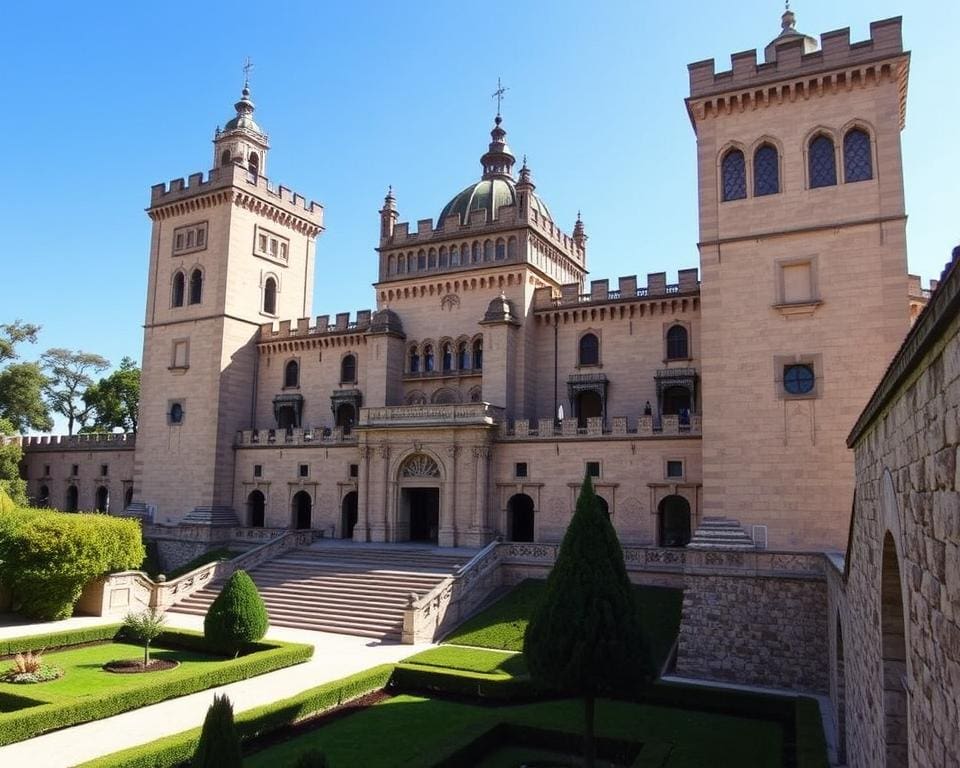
(894, 649)
(256, 507)
(73, 498)
(128, 498)
(589, 405)
(302, 508)
(348, 515)
(604, 506)
(43, 500)
(103, 499)
(674, 522)
(418, 514)
(520, 517)
(676, 400)
(346, 416)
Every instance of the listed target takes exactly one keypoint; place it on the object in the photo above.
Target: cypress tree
(237, 616)
(219, 745)
(585, 637)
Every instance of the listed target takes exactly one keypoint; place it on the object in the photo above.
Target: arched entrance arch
(103, 498)
(302, 509)
(589, 405)
(44, 498)
(256, 509)
(418, 509)
(73, 498)
(520, 517)
(348, 515)
(673, 522)
(894, 650)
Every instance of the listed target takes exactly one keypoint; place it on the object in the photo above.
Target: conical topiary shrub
(219, 745)
(237, 617)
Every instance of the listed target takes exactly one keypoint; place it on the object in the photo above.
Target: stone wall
(755, 631)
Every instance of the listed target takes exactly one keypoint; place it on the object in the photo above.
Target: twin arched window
(291, 374)
(766, 173)
(348, 369)
(589, 352)
(734, 169)
(270, 296)
(179, 292)
(823, 162)
(857, 158)
(179, 289)
(678, 343)
(196, 286)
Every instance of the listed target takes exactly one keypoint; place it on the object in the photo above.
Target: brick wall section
(755, 631)
(915, 436)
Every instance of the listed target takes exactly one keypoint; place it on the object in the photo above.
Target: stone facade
(895, 611)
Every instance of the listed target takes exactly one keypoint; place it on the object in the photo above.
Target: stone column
(448, 512)
(360, 532)
(478, 529)
(378, 524)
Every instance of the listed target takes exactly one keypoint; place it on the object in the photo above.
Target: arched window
(512, 248)
(73, 499)
(823, 162)
(478, 355)
(432, 259)
(103, 498)
(348, 369)
(256, 504)
(501, 250)
(254, 164)
(391, 265)
(401, 264)
(196, 286)
(589, 353)
(857, 161)
(454, 256)
(462, 356)
(179, 289)
(678, 347)
(428, 358)
(734, 171)
(447, 358)
(766, 171)
(488, 250)
(291, 374)
(421, 261)
(225, 157)
(414, 360)
(443, 257)
(270, 296)
(476, 253)
(44, 498)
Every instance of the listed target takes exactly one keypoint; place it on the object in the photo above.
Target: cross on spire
(247, 68)
(499, 94)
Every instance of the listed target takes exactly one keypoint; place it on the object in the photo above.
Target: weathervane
(247, 67)
(498, 94)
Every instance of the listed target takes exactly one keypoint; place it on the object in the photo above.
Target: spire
(525, 179)
(388, 215)
(579, 236)
(498, 160)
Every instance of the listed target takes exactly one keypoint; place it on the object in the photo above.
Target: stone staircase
(720, 533)
(353, 589)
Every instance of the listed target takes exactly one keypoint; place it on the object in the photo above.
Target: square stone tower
(227, 253)
(803, 259)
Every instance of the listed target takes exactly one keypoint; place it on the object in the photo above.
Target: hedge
(52, 641)
(17, 726)
(414, 678)
(178, 748)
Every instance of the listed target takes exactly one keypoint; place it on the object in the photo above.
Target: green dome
(489, 195)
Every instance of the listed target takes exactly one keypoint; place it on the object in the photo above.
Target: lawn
(471, 660)
(415, 731)
(503, 624)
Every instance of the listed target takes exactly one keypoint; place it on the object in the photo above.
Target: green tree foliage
(46, 557)
(237, 616)
(21, 397)
(145, 627)
(12, 334)
(312, 758)
(115, 399)
(69, 375)
(219, 745)
(585, 638)
(11, 484)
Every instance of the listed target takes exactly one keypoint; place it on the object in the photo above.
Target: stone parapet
(644, 427)
(687, 284)
(86, 442)
(301, 327)
(293, 437)
(431, 415)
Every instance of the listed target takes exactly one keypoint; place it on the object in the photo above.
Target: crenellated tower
(803, 263)
(227, 253)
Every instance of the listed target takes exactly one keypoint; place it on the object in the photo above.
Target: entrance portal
(302, 507)
(424, 508)
(348, 515)
(520, 517)
(674, 522)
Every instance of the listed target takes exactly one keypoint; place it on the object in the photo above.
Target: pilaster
(447, 536)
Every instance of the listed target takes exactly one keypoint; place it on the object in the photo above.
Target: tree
(10, 455)
(12, 334)
(219, 745)
(585, 637)
(69, 376)
(145, 627)
(115, 399)
(237, 616)
(21, 397)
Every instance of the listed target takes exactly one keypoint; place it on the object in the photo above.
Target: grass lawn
(415, 731)
(503, 624)
(471, 660)
(84, 678)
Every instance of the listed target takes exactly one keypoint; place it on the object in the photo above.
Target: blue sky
(103, 100)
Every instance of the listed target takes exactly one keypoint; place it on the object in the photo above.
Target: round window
(176, 413)
(798, 379)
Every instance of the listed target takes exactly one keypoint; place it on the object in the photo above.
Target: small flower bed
(29, 668)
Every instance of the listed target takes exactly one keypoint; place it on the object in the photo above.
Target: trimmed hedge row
(17, 726)
(52, 641)
(457, 682)
(178, 748)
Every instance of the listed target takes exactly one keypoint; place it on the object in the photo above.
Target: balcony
(644, 427)
(481, 414)
(296, 436)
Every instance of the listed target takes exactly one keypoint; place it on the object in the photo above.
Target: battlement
(688, 282)
(236, 176)
(787, 59)
(915, 289)
(507, 217)
(301, 327)
(92, 442)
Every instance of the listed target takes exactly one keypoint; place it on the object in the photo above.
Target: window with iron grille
(823, 162)
(766, 171)
(734, 170)
(857, 162)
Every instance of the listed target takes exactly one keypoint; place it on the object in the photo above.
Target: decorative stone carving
(420, 465)
(451, 301)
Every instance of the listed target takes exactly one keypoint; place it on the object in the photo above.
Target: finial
(247, 68)
(788, 21)
(498, 95)
(578, 216)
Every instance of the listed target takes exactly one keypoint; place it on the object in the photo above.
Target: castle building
(491, 376)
